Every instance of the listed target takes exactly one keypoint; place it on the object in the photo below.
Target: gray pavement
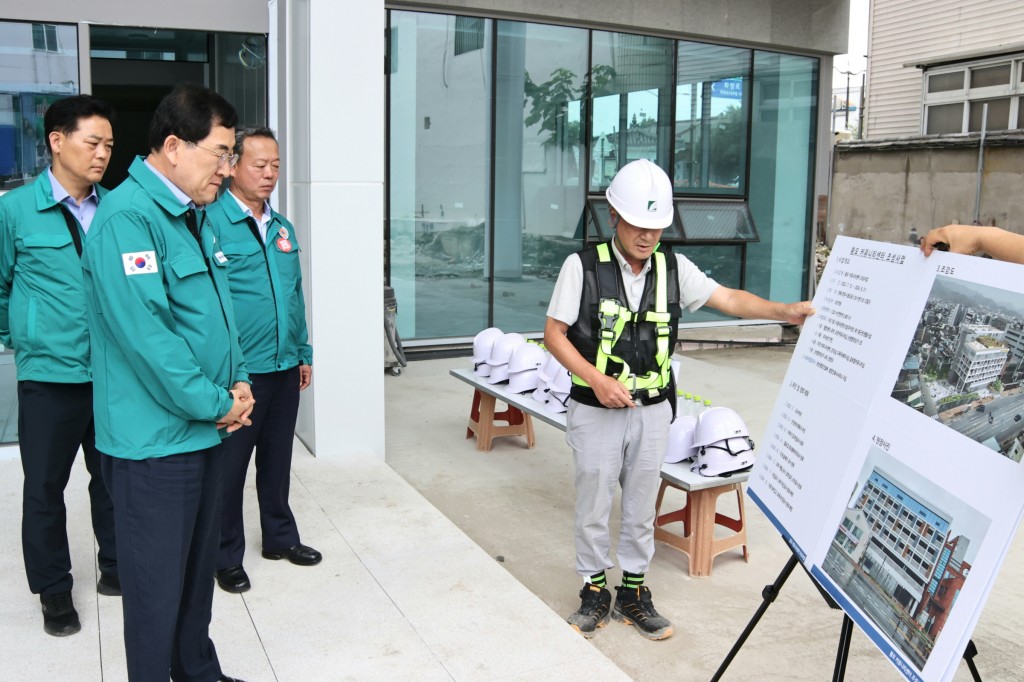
(516, 504)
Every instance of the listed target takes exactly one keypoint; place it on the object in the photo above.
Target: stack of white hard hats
(501, 353)
(482, 345)
(680, 440)
(723, 443)
(524, 366)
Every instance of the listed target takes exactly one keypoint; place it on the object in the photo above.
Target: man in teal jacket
(42, 317)
(266, 288)
(168, 376)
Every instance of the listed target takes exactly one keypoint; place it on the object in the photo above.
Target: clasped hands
(241, 408)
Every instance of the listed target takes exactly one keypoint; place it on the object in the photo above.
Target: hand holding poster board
(891, 464)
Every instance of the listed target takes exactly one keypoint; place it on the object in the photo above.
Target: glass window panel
(989, 76)
(722, 263)
(44, 37)
(33, 78)
(240, 74)
(438, 203)
(705, 220)
(945, 118)
(539, 187)
(469, 34)
(631, 77)
(149, 44)
(998, 115)
(599, 226)
(784, 109)
(712, 83)
(945, 82)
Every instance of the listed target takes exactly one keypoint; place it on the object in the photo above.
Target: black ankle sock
(632, 580)
(599, 580)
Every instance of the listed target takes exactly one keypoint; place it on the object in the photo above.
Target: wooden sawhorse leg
(482, 418)
(699, 518)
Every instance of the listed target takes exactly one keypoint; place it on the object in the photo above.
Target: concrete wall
(882, 193)
(802, 25)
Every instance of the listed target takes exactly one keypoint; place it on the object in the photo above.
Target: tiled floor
(402, 594)
(449, 564)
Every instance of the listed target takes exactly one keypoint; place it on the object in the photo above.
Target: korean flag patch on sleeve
(140, 263)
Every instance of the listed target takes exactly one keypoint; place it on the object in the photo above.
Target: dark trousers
(167, 511)
(53, 421)
(271, 433)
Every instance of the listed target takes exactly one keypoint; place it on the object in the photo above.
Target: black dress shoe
(301, 555)
(109, 585)
(233, 580)
(59, 616)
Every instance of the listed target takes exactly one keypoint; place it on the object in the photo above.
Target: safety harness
(613, 318)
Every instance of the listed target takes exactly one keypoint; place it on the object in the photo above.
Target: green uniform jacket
(165, 348)
(266, 287)
(42, 298)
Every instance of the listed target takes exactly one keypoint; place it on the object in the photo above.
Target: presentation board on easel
(891, 464)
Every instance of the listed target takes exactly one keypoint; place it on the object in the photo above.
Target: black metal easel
(770, 592)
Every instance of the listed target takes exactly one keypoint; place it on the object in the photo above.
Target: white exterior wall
(790, 25)
(332, 121)
(910, 31)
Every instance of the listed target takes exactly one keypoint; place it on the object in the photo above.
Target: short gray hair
(245, 132)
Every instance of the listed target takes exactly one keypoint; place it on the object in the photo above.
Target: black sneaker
(593, 612)
(59, 616)
(634, 607)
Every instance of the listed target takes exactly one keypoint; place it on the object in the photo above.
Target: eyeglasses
(222, 158)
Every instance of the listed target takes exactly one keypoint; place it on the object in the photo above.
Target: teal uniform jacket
(266, 287)
(165, 347)
(42, 297)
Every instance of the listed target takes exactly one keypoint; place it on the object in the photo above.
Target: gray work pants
(616, 446)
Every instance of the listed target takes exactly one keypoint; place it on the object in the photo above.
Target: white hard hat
(718, 423)
(723, 443)
(550, 368)
(502, 349)
(501, 353)
(523, 382)
(482, 344)
(561, 382)
(641, 194)
(556, 402)
(680, 440)
(541, 394)
(499, 373)
(526, 356)
(724, 457)
(526, 359)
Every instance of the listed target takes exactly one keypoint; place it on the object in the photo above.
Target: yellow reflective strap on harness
(653, 381)
(613, 316)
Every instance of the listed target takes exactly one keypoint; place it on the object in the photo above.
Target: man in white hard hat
(612, 323)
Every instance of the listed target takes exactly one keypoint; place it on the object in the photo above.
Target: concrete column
(330, 109)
